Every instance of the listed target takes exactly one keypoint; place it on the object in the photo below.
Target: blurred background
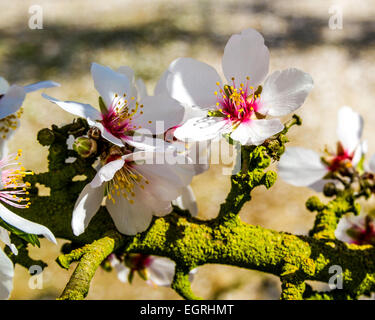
(148, 35)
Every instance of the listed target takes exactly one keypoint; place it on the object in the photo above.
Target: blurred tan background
(148, 35)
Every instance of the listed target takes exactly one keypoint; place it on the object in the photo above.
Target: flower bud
(329, 189)
(85, 146)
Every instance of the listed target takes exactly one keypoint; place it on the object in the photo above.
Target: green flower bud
(85, 146)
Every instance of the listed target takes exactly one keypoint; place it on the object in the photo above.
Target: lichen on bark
(191, 242)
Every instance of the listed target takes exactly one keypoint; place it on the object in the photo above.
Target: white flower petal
(144, 142)
(141, 88)
(187, 201)
(108, 83)
(193, 112)
(11, 101)
(130, 219)
(86, 206)
(79, 109)
(193, 82)
(200, 153)
(127, 71)
(245, 55)
(301, 167)
(161, 85)
(40, 85)
(202, 128)
(349, 128)
(285, 91)
(4, 85)
(25, 225)
(4, 237)
(161, 271)
(6, 276)
(107, 172)
(166, 181)
(372, 163)
(255, 132)
(160, 113)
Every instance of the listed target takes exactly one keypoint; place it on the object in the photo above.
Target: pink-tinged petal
(187, 201)
(107, 172)
(193, 82)
(160, 113)
(202, 128)
(285, 91)
(108, 83)
(86, 206)
(40, 85)
(349, 128)
(245, 55)
(78, 109)
(105, 133)
(11, 101)
(301, 167)
(6, 276)
(4, 86)
(255, 132)
(25, 225)
(161, 271)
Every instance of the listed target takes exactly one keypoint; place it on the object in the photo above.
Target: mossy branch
(191, 242)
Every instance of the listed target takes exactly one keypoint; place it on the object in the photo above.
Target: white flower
(11, 100)
(238, 106)
(303, 167)
(12, 192)
(136, 189)
(356, 229)
(122, 115)
(158, 271)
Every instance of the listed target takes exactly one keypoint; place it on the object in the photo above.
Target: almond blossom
(121, 115)
(136, 188)
(359, 230)
(303, 167)
(239, 105)
(11, 100)
(13, 192)
(157, 271)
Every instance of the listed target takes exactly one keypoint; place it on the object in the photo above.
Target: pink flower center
(118, 119)
(343, 158)
(237, 104)
(363, 235)
(12, 187)
(139, 261)
(126, 180)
